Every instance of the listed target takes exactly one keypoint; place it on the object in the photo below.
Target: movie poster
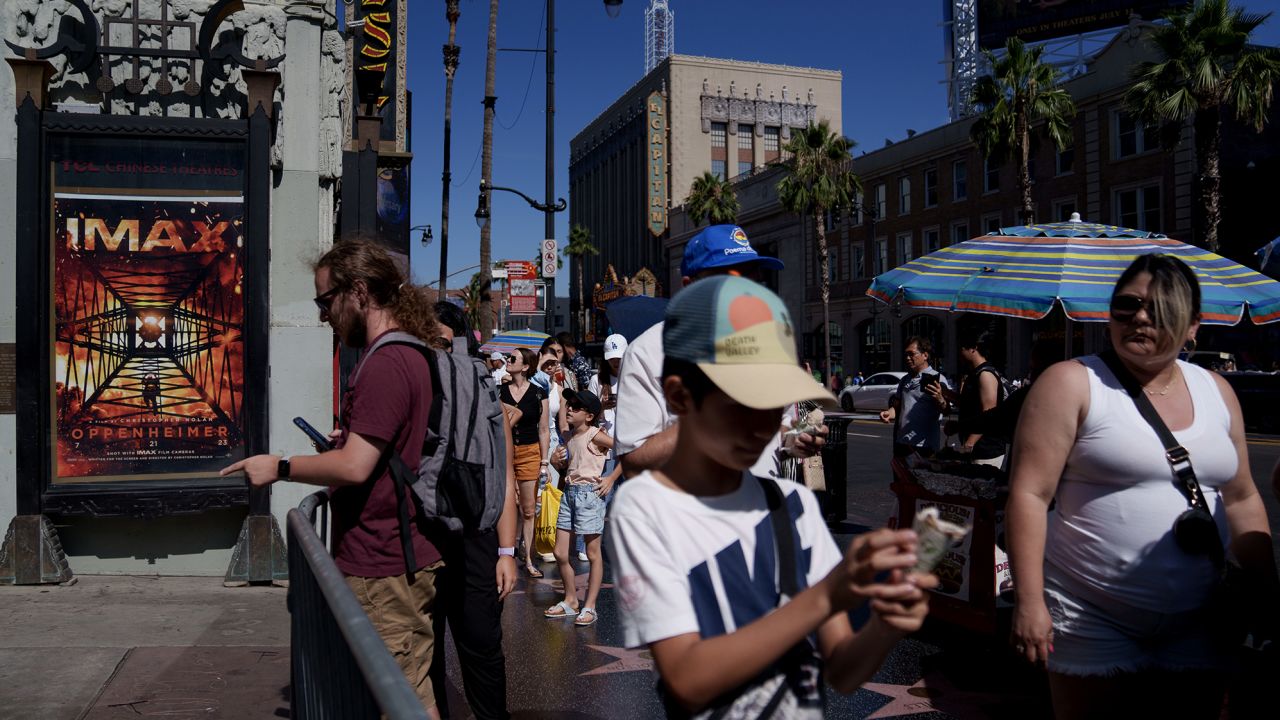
(148, 318)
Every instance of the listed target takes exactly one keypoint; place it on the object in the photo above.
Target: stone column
(301, 382)
(8, 247)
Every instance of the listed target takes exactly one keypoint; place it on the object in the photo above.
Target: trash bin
(835, 455)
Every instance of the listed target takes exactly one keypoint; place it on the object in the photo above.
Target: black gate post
(31, 553)
(259, 555)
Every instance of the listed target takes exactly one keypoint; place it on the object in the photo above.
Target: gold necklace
(1165, 390)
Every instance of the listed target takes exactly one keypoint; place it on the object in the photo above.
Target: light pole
(549, 208)
(613, 8)
(451, 53)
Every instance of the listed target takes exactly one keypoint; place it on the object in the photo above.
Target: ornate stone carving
(746, 111)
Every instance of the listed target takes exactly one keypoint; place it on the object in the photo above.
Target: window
(744, 167)
(1066, 160)
(1133, 137)
(856, 217)
(1062, 209)
(746, 137)
(857, 268)
(931, 187)
(904, 195)
(881, 258)
(932, 240)
(771, 135)
(990, 176)
(959, 180)
(959, 232)
(1032, 166)
(904, 248)
(991, 223)
(1139, 208)
(718, 132)
(718, 168)
(880, 201)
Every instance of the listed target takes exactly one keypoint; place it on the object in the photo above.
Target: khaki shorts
(528, 462)
(401, 613)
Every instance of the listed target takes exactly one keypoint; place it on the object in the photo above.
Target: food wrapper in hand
(810, 424)
(935, 537)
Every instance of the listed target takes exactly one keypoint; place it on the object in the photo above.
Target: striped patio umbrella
(1022, 271)
(508, 341)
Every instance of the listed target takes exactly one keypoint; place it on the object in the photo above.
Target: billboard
(148, 311)
(1042, 19)
(522, 287)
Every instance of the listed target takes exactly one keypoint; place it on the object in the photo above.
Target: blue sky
(890, 54)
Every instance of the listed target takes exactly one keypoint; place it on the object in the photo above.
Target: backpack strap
(783, 535)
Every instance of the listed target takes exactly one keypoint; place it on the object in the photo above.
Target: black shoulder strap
(783, 535)
(398, 471)
(1178, 457)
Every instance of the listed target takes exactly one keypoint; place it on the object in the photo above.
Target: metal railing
(340, 668)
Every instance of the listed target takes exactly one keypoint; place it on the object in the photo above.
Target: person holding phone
(915, 412)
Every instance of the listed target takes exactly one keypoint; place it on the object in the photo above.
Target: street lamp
(427, 237)
(613, 7)
(482, 206)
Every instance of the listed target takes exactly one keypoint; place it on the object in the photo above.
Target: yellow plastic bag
(544, 532)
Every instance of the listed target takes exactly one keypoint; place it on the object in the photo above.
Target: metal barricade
(340, 668)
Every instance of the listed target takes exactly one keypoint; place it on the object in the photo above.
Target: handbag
(544, 531)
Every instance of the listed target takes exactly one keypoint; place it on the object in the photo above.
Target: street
(132, 646)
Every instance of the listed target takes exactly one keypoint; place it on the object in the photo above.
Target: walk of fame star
(540, 585)
(627, 660)
(932, 693)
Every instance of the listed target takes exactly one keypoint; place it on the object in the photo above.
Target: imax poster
(148, 331)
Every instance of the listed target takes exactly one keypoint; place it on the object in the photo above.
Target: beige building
(688, 116)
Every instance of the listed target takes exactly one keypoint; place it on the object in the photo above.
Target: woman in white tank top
(1105, 597)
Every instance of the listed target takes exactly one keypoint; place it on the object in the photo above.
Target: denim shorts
(581, 511)
(1092, 639)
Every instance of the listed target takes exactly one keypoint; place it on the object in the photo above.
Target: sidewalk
(129, 646)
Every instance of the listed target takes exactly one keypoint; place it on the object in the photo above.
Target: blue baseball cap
(721, 246)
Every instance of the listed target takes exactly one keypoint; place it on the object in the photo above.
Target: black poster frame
(37, 492)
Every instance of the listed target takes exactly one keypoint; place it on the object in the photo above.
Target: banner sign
(378, 46)
(657, 163)
(522, 287)
(148, 320)
(1001, 19)
(953, 571)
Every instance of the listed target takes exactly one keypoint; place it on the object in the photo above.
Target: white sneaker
(582, 556)
(548, 557)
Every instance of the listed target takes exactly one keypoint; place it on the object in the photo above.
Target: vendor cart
(975, 577)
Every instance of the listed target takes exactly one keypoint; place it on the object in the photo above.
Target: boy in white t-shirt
(732, 581)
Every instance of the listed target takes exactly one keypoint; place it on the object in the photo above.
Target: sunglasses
(325, 300)
(575, 407)
(511, 358)
(441, 343)
(1125, 307)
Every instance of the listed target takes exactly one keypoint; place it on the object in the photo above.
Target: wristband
(507, 551)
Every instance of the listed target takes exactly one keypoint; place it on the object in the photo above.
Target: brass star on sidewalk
(627, 660)
(933, 693)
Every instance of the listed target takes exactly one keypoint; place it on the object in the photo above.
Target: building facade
(935, 189)
(160, 200)
(727, 117)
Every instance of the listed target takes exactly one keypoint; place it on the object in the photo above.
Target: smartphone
(321, 442)
(928, 379)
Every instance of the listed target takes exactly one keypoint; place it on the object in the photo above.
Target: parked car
(872, 394)
(1209, 359)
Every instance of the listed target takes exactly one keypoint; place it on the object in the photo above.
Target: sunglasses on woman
(511, 358)
(1125, 307)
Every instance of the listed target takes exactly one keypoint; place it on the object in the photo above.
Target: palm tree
(1020, 92)
(1207, 65)
(580, 246)
(711, 197)
(486, 162)
(475, 296)
(818, 179)
(451, 52)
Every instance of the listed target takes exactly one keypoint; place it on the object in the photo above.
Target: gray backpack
(460, 482)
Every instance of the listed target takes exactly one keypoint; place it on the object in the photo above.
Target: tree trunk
(1208, 129)
(486, 171)
(1024, 171)
(582, 309)
(824, 259)
(451, 52)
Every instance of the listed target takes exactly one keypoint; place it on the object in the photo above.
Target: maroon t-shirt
(392, 392)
